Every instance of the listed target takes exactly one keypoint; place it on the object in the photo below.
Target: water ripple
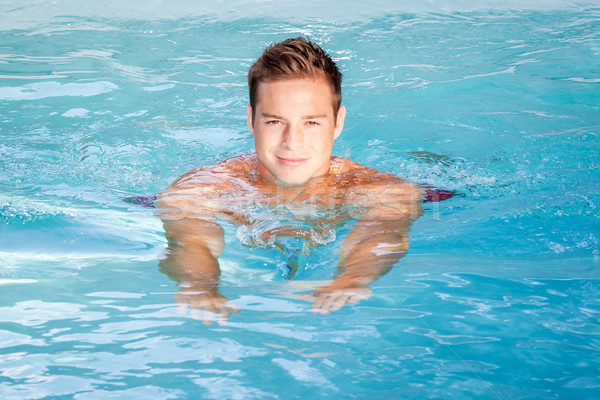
(38, 312)
(42, 90)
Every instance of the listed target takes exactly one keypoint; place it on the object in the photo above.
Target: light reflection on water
(497, 298)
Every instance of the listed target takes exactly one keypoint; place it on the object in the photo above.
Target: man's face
(294, 128)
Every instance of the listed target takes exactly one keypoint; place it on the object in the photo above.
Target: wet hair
(292, 59)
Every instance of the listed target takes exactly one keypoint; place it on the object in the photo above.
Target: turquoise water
(498, 297)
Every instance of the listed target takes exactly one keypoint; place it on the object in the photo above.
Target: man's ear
(250, 120)
(339, 122)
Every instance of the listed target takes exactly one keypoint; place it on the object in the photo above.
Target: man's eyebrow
(275, 116)
(267, 115)
(316, 116)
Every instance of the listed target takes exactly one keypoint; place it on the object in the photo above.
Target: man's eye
(312, 123)
(273, 122)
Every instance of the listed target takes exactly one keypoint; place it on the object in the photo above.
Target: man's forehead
(321, 81)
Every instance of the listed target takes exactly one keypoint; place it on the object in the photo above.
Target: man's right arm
(195, 242)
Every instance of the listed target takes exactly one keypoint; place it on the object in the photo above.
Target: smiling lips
(292, 162)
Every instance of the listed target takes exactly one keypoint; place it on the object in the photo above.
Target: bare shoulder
(217, 176)
(371, 182)
(200, 191)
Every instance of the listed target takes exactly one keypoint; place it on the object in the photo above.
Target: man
(294, 114)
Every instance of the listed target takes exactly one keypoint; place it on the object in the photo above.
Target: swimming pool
(498, 297)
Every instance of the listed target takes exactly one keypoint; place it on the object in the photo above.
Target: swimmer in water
(294, 114)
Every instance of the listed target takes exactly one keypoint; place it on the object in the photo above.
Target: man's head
(294, 111)
(295, 59)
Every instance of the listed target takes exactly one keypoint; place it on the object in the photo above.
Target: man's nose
(293, 137)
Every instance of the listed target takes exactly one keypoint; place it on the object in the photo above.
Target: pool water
(498, 297)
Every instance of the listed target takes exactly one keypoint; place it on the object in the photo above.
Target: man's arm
(373, 246)
(196, 241)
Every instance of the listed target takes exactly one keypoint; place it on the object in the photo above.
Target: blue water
(498, 297)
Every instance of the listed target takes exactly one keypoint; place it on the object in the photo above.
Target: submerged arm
(373, 246)
(195, 241)
(194, 247)
(371, 249)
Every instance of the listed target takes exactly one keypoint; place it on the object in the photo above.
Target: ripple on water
(42, 90)
(38, 312)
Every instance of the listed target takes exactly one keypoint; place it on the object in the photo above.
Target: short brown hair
(295, 58)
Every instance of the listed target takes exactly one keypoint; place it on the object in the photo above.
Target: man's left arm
(373, 246)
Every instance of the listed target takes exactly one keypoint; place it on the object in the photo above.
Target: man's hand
(205, 305)
(334, 296)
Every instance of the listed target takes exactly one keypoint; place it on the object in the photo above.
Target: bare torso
(223, 187)
(380, 206)
(235, 190)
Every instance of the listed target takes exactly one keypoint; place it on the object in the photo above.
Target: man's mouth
(292, 162)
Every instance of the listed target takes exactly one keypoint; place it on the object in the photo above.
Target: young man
(295, 114)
